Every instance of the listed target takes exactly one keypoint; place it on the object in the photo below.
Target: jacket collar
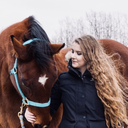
(75, 71)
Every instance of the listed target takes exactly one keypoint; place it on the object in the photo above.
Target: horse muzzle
(40, 126)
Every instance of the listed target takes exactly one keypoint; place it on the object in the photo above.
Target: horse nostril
(38, 126)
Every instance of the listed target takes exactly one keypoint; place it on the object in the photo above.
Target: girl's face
(77, 58)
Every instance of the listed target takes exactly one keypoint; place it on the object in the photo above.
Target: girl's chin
(74, 66)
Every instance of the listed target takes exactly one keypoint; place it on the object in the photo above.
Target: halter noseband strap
(24, 99)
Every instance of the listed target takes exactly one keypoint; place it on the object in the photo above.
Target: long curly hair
(109, 82)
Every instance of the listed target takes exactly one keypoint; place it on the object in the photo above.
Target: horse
(114, 47)
(27, 73)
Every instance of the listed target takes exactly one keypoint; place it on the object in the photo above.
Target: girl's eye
(79, 53)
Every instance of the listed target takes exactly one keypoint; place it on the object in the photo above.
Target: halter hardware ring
(15, 70)
(25, 101)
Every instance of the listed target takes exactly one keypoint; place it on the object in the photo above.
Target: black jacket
(82, 108)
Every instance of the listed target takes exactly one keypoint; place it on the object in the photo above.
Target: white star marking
(43, 79)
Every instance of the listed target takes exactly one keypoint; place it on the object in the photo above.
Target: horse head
(30, 63)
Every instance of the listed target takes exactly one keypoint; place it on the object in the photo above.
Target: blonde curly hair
(109, 82)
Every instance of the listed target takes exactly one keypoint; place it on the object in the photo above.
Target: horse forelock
(41, 49)
(36, 31)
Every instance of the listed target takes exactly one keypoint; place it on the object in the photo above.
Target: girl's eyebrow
(75, 50)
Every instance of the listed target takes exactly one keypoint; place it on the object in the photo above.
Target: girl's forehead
(75, 46)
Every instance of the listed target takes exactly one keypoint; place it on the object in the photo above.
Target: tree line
(101, 25)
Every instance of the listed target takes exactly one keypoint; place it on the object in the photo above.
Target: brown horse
(27, 72)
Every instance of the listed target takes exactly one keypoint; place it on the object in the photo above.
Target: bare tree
(69, 29)
(98, 24)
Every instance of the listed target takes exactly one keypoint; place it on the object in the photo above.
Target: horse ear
(19, 49)
(57, 47)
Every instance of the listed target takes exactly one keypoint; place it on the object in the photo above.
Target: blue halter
(24, 99)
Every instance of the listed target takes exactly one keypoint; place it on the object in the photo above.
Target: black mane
(41, 49)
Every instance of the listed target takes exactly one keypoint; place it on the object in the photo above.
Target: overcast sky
(50, 12)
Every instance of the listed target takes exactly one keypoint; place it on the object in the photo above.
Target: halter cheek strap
(25, 101)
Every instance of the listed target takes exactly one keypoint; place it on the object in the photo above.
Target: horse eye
(23, 83)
